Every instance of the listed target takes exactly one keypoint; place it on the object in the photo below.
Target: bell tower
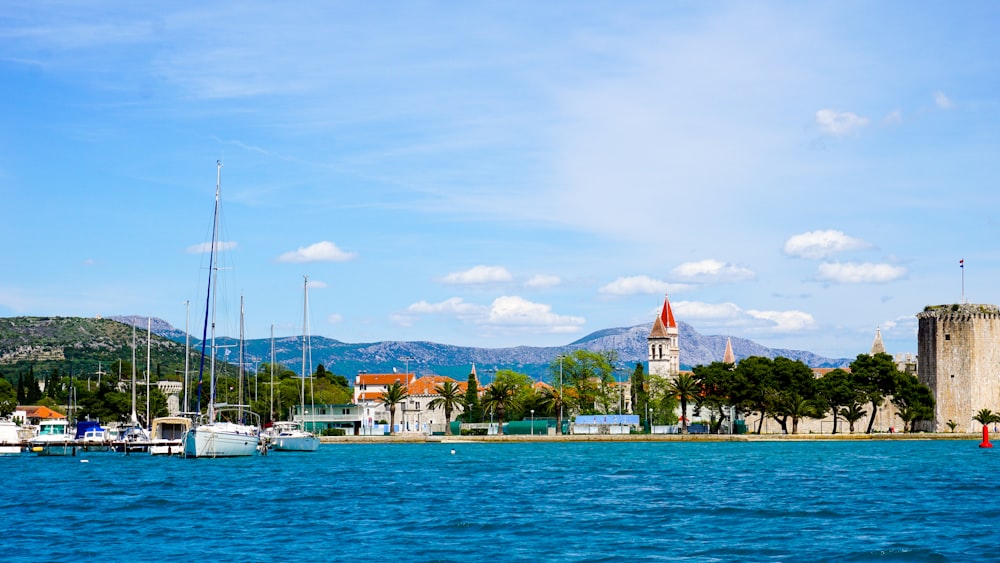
(664, 345)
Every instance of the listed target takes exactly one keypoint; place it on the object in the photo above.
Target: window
(947, 337)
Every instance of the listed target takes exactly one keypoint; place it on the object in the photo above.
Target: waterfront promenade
(592, 438)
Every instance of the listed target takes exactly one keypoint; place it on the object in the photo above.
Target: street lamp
(649, 419)
(532, 422)
(561, 398)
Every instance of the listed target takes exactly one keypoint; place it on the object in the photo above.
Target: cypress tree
(473, 412)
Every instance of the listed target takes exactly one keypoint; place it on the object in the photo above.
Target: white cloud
(942, 101)
(324, 251)
(698, 310)
(479, 274)
(785, 321)
(334, 318)
(820, 244)
(543, 280)
(453, 306)
(712, 271)
(633, 285)
(318, 284)
(729, 315)
(207, 247)
(509, 312)
(852, 272)
(839, 123)
(517, 311)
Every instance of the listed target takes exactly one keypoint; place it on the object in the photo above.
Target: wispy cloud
(478, 275)
(707, 271)
(852, 272)
(206, 247)
(839, 123)
(324, 251)
(542, 280)
(942, 101)
(820, 244)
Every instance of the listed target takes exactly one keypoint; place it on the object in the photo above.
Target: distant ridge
(456, 361)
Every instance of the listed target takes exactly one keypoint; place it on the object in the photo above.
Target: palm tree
(684, 387)
(798, 408)
(852, 413)
(951, 424)
(986, 416)
(393, 395)
(499, 396)
(553, 401)
(449, 396)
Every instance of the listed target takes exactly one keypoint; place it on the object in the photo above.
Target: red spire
(667, 315)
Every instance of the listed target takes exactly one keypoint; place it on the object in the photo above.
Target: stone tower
(958, 352)
(664, 344)
(878, 347)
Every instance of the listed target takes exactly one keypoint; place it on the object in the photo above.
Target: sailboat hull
(221, 440)
(295, 442)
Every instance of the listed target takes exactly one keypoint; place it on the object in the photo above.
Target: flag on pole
(961, 263)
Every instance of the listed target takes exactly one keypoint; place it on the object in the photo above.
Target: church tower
(728, 357)
(664, 344)
(878, 347)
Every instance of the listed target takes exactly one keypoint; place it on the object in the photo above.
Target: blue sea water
(665, 501)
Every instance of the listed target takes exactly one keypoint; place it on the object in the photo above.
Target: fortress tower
(664, 344)
(958, 353)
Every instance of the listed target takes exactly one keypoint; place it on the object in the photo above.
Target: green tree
(449, 397)
(662, 401)
(719, 391)
(754, 381)
(685, 388)
(8, 398)
(394, 394)
(552, 403)
(639, 393)
(499, 397)
(473, 411)
(834, 391)
(914, 401)
(875, 377)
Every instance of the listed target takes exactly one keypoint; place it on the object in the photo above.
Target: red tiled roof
(426, 384)
(39, 411)
(383, 378)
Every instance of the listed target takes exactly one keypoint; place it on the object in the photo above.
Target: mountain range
(456, 361)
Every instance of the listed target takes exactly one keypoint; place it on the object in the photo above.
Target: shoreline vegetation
(436, 439)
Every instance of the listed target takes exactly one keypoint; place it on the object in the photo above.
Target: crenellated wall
(958, 356)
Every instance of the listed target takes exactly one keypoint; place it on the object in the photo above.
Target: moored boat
(168, 435)
(10, 441)
(53, 438)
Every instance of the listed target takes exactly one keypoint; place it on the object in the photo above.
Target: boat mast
(305, 345)
(241, 359)
(271, 413)
(149, 333)
(208, 297)
(187, 350)
(213, 277)
(135, 418)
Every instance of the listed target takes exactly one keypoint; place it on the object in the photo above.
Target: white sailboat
(230, 430)
(291, 436)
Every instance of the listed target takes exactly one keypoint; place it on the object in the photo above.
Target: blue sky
(504, 173)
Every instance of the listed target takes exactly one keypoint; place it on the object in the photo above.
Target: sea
(867, 500)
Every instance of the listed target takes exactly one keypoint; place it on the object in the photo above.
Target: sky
(495, 174)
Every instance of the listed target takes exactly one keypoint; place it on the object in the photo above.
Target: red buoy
(986, 438)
